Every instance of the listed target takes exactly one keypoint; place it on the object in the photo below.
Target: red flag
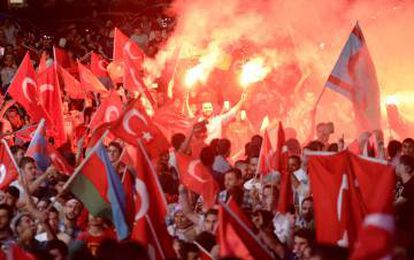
(26, 133)
(15, 252)
(63, 59)
(72, 86)
(98, 65)
(8, 167)
(282, 155)
(151, 210)
(58, 161)
(109, 110)
(401, 125)
(264, 165)
(42, 63)
(49, 92)
(134, 125)
(236, 239)
(120, 39)
(89, 81)
(170, 121)
(196, 177)
(24, 90)
(286, 194)
(354, 77)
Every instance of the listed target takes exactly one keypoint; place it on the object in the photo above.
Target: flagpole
(78, 170)
(154, 234)
(238, 220)
(203, 249)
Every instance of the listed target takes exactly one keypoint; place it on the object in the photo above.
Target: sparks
(253, 71)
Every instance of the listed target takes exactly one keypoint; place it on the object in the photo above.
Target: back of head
(256, 140)
(394, 148)
(328, 252)
(177, 140)
(206, 240)
(408, 161)
(223, 147)
(207, 156)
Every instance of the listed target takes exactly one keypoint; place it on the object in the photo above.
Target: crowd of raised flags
(127, 184)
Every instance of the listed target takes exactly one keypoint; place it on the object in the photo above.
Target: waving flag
(98, 65)
(8, 167)
(354, 77)
(50, 97)
(24, 90)
(264, 166)
(58, 161)
(89, 81)
(120, 40)
(71, 85)
(42, 63)
(196, 177)
(97, 185)
(38, 147)
(109, 110)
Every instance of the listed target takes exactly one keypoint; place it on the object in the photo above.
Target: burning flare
(392, 100)
(253, 71)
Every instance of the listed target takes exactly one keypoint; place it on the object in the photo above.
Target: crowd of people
(47, 226)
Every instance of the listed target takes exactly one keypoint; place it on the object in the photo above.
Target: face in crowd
(72, 209)
(207, 109)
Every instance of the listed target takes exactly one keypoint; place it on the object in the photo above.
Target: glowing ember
(193, 76)
(253, 71)
(392, 100)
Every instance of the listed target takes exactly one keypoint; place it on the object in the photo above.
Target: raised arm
(233, 111)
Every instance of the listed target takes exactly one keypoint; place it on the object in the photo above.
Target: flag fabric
(71, 85)
(150, 209)
(120, 40)
(89, 81)
(236, 239)
(8, 167)
(354, 77)
(166, 81)
(197, 178)
(15, 252)
(98, 65)
(99, 187)
(38, 147)
(50, 97)
(400, 125)
(264, 166)
(109, 110)
(24, 90)
(134, 125)
(63, 59)
(26, 133)
(42, 63)
(286, 194)
(282, 155)
(170, 121)
(348, 188)
(59, 161)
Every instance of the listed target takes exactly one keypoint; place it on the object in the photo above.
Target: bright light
(193, 75)
(392, 100)
(253, 71)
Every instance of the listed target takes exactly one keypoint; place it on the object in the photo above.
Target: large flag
(42, 63)
(71, 85)
(170, 121)
(89, 81)
(264, 166)
(8, 167)
(196, 177)
(354, 77)
(99, 187)
(50, 97)
(24, 90)
(236, 239)
(63, 59)
(120, 40)
(348, 188)
(59, 161)
(150, 210)
(134, 125)
(109, 110)
(38, 147)
(98, 65)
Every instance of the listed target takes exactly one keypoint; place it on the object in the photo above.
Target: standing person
(8, 71)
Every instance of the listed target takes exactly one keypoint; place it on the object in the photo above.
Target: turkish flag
(24, 90)
(150, 210)
(71, 85)
(42, 63)
(26, 133)
(196, 177)
(282, 155)
(376, 183)
(120, 39)
(98, 65)
(134, 125)
(50, 97)
(8, 167)
(58, 161)
(89, 81)
(236, 239)
(286, 194)
(264, 165)
(109, 110)
(330, 185)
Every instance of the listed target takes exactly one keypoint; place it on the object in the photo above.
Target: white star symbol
(147, 136)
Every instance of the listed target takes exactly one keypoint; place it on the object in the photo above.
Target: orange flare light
(392, 100)
(193, 75)
(253, 71)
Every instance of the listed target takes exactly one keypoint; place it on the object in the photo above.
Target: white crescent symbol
(134, 77)
(128, 116)
(344, 186)
(109, 111)
(191, 171)
(101, 65)
(86, 78)
(128, 50)
(3, 172)
(25, 83)
(46, 87)
(142, 191)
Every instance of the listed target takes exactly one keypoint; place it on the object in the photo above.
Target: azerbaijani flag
(38, 147)
(99, 187)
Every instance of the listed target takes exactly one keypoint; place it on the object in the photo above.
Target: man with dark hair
(17, 152)
(223, 152)
(232, 178)
(328, 252)
(302, 239)
(210, 221)
(6, 234)
(408, 147)
(305, 219)
(12, 195)
(177, 140)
